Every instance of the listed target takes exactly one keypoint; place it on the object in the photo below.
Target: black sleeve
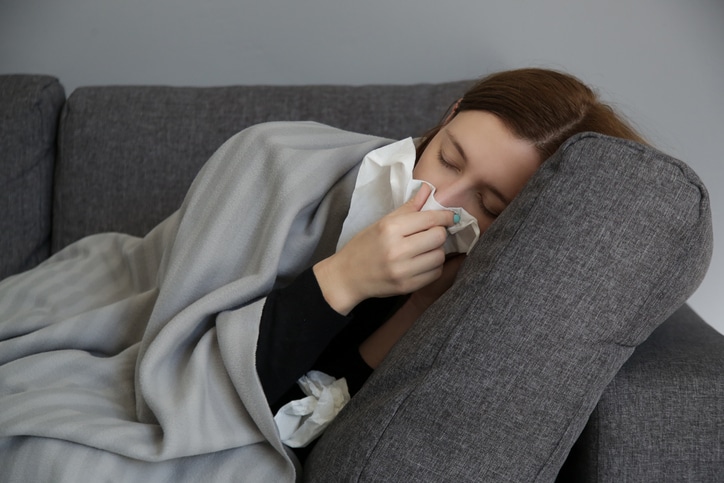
(341, 357)
(296, 326)
(348, 364)
(299, 331)
(338, 363)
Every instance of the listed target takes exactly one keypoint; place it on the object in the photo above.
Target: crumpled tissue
(384, 183)
(302, 421)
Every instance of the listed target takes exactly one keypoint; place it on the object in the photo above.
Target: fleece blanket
(133, 359)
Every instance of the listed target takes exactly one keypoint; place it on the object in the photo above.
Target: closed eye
(444, 162)
(485, 209)
(481, 201)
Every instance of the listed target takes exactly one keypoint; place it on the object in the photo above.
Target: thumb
(418, 199)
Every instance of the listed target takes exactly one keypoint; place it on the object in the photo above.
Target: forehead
(486, 132)
(490, 150)
(481, 126)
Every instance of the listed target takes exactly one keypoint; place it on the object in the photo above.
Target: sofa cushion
(661, 417)
(128, 154)
(29, 110)
(498, 378)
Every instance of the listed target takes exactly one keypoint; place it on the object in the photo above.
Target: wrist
(336, 290)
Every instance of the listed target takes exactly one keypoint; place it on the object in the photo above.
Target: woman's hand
(399, 254)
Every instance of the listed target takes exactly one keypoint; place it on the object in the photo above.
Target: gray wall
(660, 61)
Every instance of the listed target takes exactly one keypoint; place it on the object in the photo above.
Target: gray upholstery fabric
(662, 418)
(128, 154)
(28, 120)
(498, 379)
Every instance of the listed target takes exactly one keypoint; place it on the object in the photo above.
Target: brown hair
(542, 106)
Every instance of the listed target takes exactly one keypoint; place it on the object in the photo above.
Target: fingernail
(456, 218)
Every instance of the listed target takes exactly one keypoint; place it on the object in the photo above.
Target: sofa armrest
(29, 109)
(661, 418)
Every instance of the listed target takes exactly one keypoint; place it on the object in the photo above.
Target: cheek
(483, 220)
(483, 223)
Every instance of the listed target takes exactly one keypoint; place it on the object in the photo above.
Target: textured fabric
(132, 359)
(128, 154)
(661, 419)
(497, 379)
(29, 110)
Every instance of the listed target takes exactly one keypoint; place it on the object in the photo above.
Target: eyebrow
(461, 151)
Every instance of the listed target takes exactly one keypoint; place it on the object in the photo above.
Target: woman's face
(477, 163)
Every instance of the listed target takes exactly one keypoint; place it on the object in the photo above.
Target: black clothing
(299, 331)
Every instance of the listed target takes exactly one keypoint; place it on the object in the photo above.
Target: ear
(453, 110)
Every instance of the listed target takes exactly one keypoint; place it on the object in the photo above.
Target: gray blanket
(133, 359)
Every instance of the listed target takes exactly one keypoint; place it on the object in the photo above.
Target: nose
(452, 194)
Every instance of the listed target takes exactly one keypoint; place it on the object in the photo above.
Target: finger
(417, 201)
(424, 279)
(425, 241)
(434, 260)
(421, 221)
(429, 261)
(418, 266)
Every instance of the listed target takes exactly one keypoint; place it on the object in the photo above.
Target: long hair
(542, 106)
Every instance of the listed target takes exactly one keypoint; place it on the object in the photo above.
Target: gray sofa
(120, 158)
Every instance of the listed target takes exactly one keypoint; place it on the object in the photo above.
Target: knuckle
(395, 274)
(441, 234)
(391, 255)
(387, 227)
(438, 272)
(430, 218)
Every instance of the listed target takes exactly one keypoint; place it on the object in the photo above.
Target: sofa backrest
(29, 109)
(127, 155)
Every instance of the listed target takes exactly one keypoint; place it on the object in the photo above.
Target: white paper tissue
(302, 421)
(384, 183)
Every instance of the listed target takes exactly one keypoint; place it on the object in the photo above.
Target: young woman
(480, 157)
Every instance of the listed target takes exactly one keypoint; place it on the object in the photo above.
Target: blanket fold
(133, 359)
